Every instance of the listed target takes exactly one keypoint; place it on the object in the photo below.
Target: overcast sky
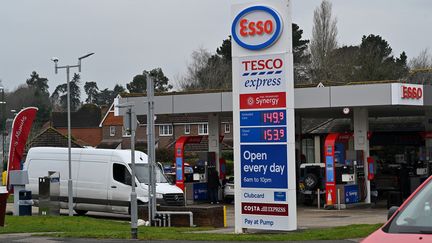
(129, 36)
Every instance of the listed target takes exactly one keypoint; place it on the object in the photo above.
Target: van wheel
(81, 212)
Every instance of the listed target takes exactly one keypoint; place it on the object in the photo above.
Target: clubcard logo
(256, 27)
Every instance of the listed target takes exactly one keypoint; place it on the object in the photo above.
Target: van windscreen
(142, 174)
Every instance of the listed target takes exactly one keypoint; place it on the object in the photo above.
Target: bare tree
(422, 61)
(198, 63)
(421, 68)
(324, 41)
(206, 71)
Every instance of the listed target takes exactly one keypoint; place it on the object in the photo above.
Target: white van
(101, 178)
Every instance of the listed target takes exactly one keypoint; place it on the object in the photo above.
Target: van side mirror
(391, 211)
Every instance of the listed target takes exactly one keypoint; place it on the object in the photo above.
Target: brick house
(167, 129)
(84, 125)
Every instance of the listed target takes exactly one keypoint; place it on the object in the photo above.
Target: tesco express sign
(256, 27)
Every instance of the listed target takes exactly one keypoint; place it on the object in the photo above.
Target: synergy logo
(256, 27)
(265, 100)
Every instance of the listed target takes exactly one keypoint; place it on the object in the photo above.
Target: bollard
(225, 217)
(338, 199)
(185, 197)
(318, 198)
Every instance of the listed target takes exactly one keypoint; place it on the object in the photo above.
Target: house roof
(50, 137)
(81, 118)
(86, 136)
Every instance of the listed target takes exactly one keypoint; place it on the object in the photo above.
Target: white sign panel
(263, 73)
(263, 113)
(407, 94)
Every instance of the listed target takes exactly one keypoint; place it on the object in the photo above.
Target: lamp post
(129, 122)
(68, 67)
(2, 102)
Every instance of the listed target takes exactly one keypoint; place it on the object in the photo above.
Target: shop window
(203, 129)
(187, 128)
(121, 174)
(308, 150)
(165, 130)
(227, 128)
(112, 131)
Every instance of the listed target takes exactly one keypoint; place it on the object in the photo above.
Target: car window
(142, 174)
(121, 174)
(416, 216)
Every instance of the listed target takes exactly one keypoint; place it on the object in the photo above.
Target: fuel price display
(263, 135)
(263, 118)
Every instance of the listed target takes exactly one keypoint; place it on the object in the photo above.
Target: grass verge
(86, 227)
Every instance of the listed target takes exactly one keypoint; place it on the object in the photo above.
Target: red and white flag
(21, 127)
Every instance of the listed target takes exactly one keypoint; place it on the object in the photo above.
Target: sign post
(263, 113)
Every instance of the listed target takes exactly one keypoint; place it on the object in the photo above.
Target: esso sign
(411, 92)
(256, 27)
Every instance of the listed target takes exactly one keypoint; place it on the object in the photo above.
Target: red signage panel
(263, 100)
(265, 209)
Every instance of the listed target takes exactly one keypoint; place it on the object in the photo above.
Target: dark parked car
(312, 177)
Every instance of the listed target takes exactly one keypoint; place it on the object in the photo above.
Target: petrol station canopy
(381, 99)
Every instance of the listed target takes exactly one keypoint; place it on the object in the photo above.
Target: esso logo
(256, 27)
(412, 92)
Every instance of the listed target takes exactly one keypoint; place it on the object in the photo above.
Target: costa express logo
(256, 27)
(409, 92)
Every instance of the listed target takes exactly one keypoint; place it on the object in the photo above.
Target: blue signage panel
(329, 169)
(200, 191)
(351, 194)
(179, 169)
(264, 166)
(263, 118)
(339, 153)
(279, 196)
(263, 135)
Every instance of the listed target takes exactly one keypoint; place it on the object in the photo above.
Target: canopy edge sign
(263, 116)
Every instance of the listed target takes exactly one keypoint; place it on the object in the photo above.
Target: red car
(411, 222)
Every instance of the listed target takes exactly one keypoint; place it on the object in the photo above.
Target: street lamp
(2, 102)
(68, 67)
(130, 124)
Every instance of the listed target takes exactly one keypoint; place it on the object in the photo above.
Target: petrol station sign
(407, 94)
(263, 112)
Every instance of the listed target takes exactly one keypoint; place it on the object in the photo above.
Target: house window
(202, 129)
(187, 129)
(227, 128)
(165, 130)
(112, 131)
(126, 132)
